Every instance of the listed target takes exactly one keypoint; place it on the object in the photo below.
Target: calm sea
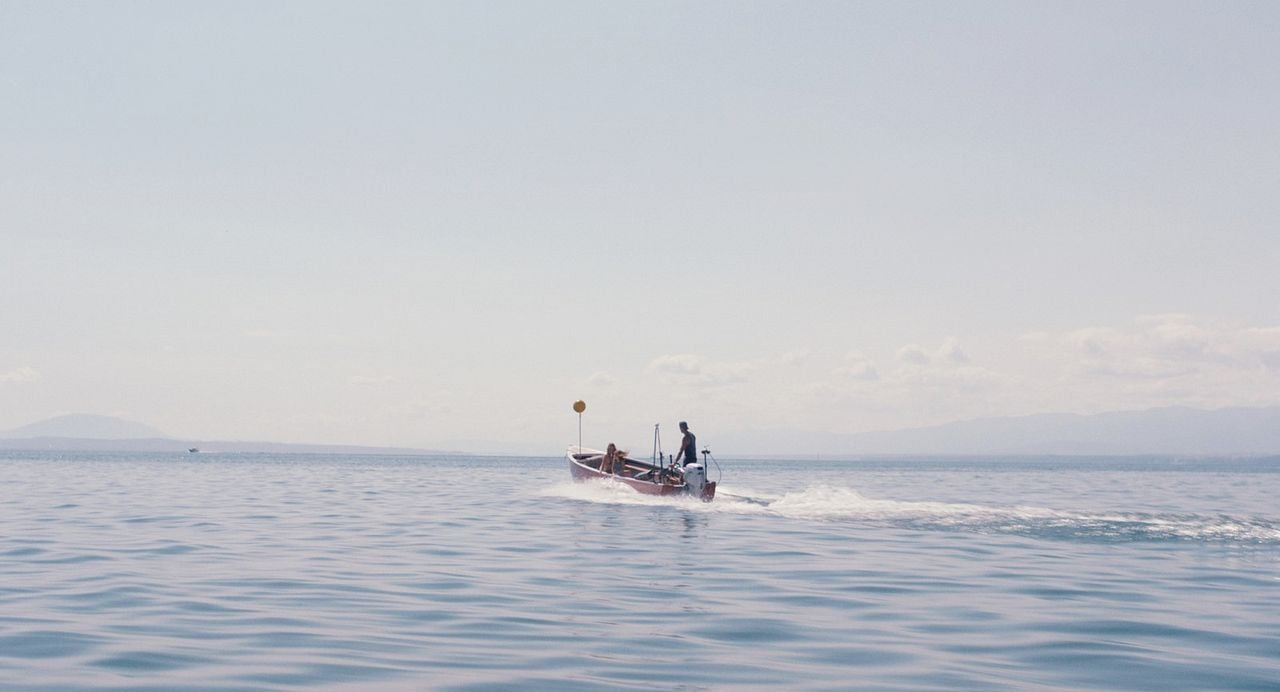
(210, 571)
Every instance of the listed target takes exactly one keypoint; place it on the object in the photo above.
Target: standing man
(688, 446)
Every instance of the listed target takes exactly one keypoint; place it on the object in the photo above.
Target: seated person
(614, 461)
(610, 456)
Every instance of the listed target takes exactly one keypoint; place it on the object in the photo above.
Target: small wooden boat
(650, 479)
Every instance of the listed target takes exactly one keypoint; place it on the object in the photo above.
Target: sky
(440, 224)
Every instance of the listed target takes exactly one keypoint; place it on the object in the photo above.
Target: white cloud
(943, 377)
(23, 374)
(795, 357)
(1177, 333)
(933, 383)
(691, 370)
(948, 366)
(602, 379)
(1166, 346)
(1261, 344)
(858, 367)
(951, 353)
(1157, 360)
(921, 385)
(913, 354)
(1160, 360)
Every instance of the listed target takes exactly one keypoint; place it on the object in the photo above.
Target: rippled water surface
(277, 571)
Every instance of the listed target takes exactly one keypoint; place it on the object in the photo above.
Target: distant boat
(194, 450)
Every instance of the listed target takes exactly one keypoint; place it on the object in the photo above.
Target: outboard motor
(695, 479)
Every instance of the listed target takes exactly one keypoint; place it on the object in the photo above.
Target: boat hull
(581, 470)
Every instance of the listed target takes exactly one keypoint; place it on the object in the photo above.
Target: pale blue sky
(439, 224)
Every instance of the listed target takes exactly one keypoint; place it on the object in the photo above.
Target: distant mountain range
(86, 426)
(1167, 431)
(1174, 430)
(86, 432)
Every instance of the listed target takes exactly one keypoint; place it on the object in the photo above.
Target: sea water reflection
(256, 572)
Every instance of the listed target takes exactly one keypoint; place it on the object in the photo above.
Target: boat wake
(838, 504)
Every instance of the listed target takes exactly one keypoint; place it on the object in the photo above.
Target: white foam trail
(832, 503)
(827, 502)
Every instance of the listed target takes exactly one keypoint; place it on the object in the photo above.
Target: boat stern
(696, 483)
